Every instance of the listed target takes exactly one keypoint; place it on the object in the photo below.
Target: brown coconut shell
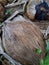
(30, 9)
(21, 39)
(4, 2)
(2, 12)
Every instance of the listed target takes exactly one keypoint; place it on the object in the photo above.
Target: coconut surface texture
(2, 12)
(21, 39)
(4, 2)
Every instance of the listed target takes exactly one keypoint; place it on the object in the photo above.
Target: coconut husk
(2, 12)
(21, 39)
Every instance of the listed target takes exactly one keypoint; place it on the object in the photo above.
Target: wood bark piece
(13, 5)
(21, 39)
(12, 16)
(20, 2)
